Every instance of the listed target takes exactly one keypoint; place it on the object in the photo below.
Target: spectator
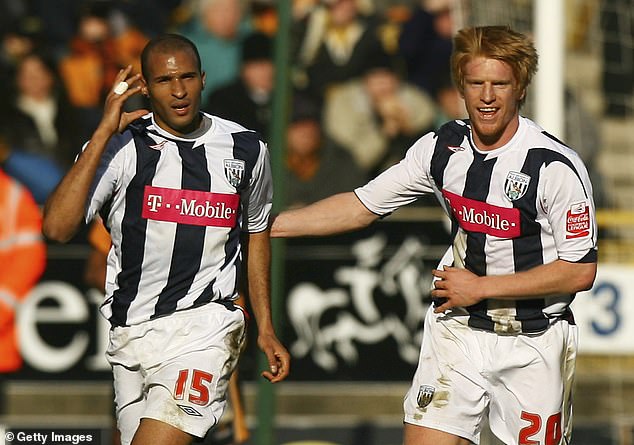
(247, 100)
(23, 259)
(218, 30)
(376, 117)
(337, 40)
(129, 41)
(264, 16)
(43, 120)
(316, 167)
(425, 43)
(90, 68)
(37, 173)
(17, 40)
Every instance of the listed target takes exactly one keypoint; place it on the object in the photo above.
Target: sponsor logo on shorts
(190, 207)
(578, 220)
(234, 171)
(189, 410)
(515, 185)
(425, 395)
(481, 217)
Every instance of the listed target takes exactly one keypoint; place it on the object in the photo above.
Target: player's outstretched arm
(258, 273)
(336, 214)
(64, 209)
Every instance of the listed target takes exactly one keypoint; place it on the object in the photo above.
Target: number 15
(198, 392)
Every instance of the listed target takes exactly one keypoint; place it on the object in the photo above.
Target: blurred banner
(605, 314)
(354, 308)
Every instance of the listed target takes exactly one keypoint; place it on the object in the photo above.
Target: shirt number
(199, 385)
(553, 429)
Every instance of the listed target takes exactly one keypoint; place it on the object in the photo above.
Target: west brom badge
(234, 171)
(516, 185)
(425, 395)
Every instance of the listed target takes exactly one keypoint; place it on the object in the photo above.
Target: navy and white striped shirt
(513, 208)
(175, 208)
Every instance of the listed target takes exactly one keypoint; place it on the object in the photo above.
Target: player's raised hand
(278, 357)
(125, 86)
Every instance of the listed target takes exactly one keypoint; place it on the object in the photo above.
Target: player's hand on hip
(458, 287)
(125, 86)
(277, 356)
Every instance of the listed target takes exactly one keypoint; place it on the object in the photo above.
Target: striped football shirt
(175, 208)
(513, 208)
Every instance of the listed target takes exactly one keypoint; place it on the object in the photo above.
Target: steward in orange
(22, 262)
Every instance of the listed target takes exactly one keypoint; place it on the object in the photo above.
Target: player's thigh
(129, 400)
(154, 432)
(420, 435)
(531, 402)
(188, 391)
(448, 392)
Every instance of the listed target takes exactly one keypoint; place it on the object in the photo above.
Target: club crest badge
(425, 395)
(234, 171)
(516, 185)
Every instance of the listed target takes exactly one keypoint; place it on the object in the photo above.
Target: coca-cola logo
(481, 217)
(578, 220)
(190, 207)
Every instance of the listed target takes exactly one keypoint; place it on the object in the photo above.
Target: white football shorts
(176, 368)
(523, 382)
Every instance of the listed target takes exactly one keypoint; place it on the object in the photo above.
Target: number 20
(199, 386)
(553, 429)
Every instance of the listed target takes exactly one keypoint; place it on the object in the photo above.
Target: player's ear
(144, 89)
(203, 77)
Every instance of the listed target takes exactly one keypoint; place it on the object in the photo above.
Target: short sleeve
(108, 174)
(258, 199)
(567, 200)
(403, 183)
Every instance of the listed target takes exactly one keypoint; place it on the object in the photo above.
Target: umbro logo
(189, 410)
(158, 146)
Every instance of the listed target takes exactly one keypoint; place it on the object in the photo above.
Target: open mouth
(487, 112)
(181, 108)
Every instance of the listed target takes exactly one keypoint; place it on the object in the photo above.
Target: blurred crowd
(368, 78)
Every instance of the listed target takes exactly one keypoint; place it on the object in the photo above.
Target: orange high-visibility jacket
(22, 261)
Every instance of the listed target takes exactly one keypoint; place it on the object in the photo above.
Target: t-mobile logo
(481, 217)
(154, 202)
(190, 207)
